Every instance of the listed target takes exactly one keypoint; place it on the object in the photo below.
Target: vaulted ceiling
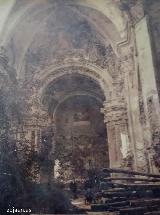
(37, 32)
(41, 34)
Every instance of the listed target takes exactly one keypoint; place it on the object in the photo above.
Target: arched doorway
(80, 137)
(74, 102)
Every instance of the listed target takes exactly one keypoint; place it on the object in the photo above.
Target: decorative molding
(115, 111)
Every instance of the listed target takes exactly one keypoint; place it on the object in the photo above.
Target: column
(115, 117)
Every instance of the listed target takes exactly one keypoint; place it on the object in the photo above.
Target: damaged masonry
(80, 104)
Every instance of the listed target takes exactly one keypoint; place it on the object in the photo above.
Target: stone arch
(72, 95)
(89, 70)
(82, 124)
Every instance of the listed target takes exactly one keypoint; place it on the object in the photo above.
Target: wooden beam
(114, 170)
(132, 179)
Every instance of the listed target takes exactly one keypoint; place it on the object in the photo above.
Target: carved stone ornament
(114, 111)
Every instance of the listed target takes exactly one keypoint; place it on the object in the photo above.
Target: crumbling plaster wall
(152, 86)
(141, 90)
(148, 81)
(141, 87)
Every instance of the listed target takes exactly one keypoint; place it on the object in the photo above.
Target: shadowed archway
(74, 103)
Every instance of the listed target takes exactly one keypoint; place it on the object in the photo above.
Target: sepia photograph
(80, 107)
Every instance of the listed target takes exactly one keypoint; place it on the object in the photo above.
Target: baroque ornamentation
(114, 111)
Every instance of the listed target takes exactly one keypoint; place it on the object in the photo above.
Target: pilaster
(115, 117)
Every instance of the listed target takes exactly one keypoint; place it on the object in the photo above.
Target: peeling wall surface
(86, 74)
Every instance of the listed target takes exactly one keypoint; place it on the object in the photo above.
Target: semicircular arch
(65, 98)
(95, 73)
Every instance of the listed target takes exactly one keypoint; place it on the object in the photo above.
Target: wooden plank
(131, 179)
(144, 202)
(98, 207)
(137, 210)
(153, 213)
(144, 186)
(114, 170)
(118, 204)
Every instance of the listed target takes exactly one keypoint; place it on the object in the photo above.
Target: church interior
(80, 104)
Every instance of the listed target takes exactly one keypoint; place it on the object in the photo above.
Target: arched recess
(81, 132)
(78, 121)
(51, 74)
(72, 95)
